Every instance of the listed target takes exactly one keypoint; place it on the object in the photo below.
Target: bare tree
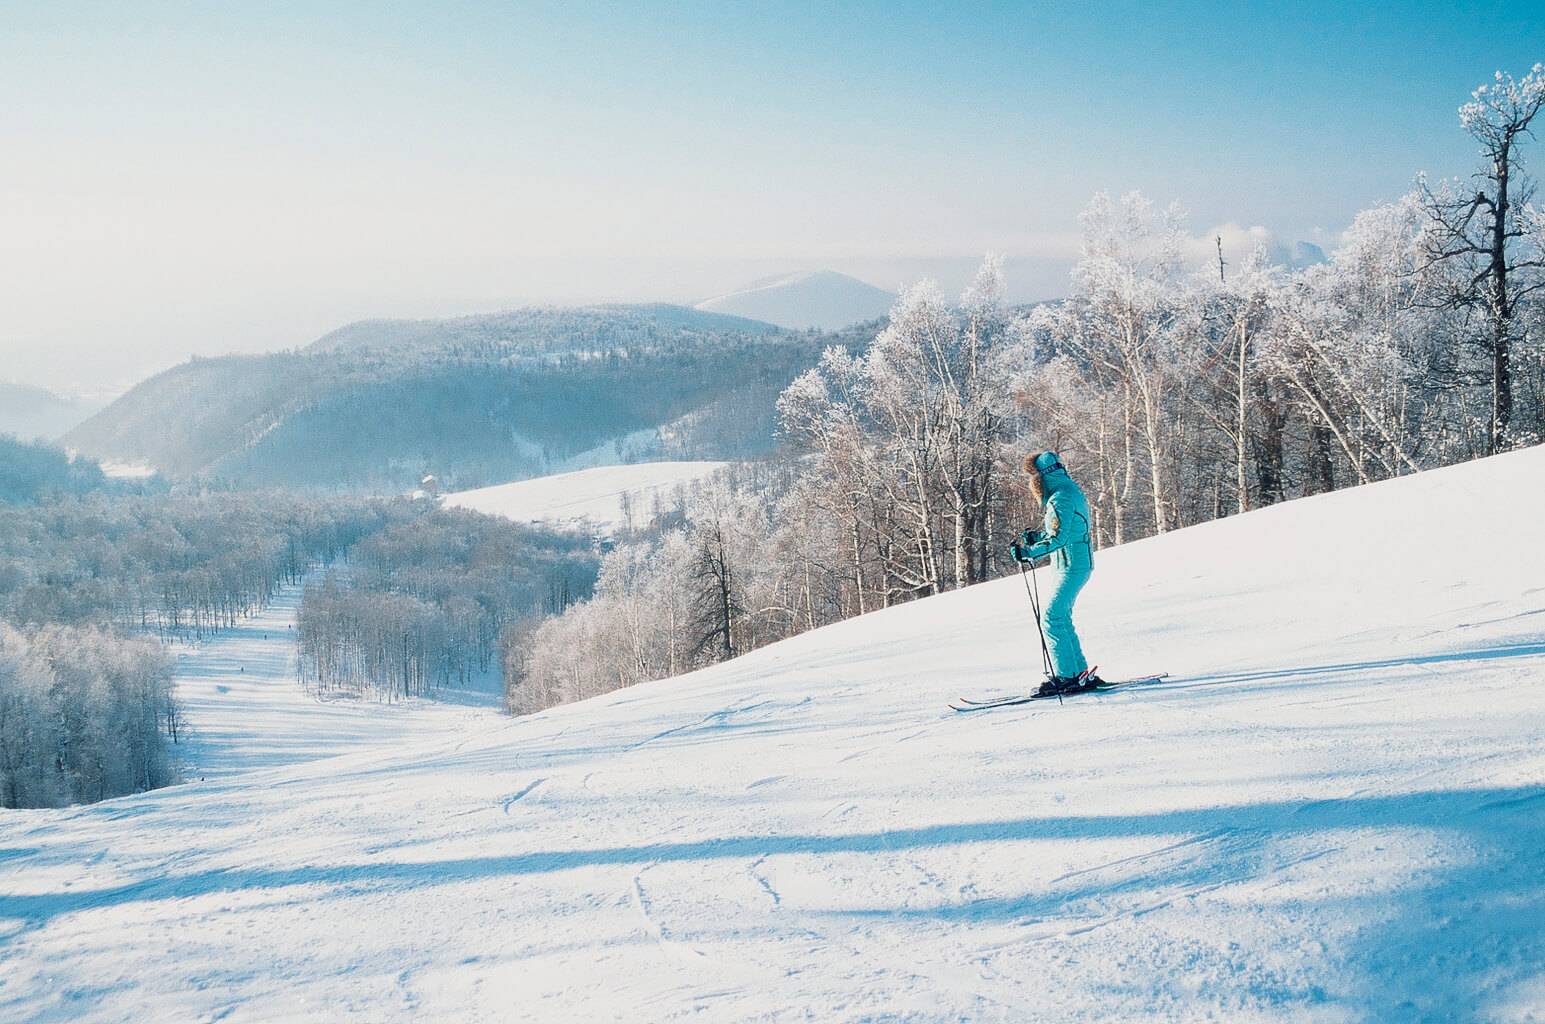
(1483, 233)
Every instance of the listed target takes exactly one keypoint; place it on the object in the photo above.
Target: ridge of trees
(540, 329)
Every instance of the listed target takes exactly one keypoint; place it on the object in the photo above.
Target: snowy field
(592, 496)
(127, 470)
(1334, 810)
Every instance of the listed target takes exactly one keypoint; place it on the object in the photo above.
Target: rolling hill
(540, 328)
(1333, 809)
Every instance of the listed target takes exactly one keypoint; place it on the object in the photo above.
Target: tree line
(1178, 389)
(32, 471)
(84, 715)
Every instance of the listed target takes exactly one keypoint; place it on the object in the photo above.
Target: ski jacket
(1065, 520)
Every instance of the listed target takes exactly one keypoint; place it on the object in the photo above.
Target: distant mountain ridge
(822, 299)
(32, 413)
(536, 328)
(1303, 254)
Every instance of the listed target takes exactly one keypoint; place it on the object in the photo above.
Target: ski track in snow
(1332, 811)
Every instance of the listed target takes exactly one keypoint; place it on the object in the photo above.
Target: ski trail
(761, 880)
(520, 794)
(1209, 837)
(645, 908)
(1255, 842)
(246, 709)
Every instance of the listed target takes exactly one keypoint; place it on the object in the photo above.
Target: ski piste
(968, 704)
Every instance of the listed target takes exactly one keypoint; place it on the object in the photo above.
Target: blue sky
(184, 178)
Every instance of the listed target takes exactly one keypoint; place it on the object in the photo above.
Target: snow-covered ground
(1334, 810)
(127, 470)
(245, 708)
(592, 496)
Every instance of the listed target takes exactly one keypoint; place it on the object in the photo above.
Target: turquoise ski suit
(1066, 524)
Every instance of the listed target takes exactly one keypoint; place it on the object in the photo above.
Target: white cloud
(1240, 242)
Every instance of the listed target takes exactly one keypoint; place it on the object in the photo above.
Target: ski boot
(1058, 686)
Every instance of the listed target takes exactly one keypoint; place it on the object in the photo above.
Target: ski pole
(1035, 606)
(1035, 603)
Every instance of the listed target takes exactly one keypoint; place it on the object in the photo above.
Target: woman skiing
(1065, 535)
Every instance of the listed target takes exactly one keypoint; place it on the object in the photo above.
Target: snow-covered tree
(1484, 232)
(1121, 327)
(85, 714)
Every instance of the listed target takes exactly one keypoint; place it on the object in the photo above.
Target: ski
(969, 704)
(1112, 684)
(988, 705)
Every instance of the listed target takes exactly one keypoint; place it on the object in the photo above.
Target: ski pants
(1067, 654)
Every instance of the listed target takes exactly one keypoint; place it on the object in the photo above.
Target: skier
(1065, 536)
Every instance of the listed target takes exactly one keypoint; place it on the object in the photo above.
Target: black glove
(1030, 538)
(1016, 552)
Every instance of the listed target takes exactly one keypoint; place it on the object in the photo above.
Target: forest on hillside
(472, 423)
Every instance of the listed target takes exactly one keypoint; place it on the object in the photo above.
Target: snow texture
(1334, 810)
(586, 497)
(127, 470)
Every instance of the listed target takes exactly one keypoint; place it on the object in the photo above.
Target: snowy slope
(587, 495)
(1333, 811)
(823, 299)
(245, 708)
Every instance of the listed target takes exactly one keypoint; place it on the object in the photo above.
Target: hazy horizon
(182, 181)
